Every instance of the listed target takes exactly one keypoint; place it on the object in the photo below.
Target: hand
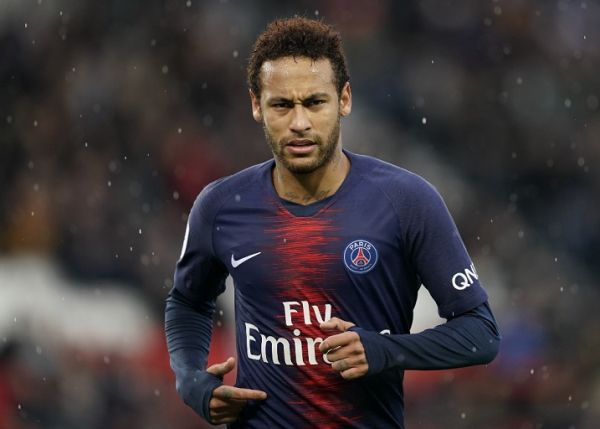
(345, 351)
(227, 402)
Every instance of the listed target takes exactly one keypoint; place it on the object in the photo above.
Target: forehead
(289, 75)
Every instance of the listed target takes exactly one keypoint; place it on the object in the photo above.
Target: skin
(299, 103)
(300, 110)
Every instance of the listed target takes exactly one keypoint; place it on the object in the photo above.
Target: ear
(256, 112)
(346, 100)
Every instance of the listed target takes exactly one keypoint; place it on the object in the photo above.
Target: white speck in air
(179, 130)
(25, 25)
(175, 195)
(424, 120)
(38, 350)
(140, 231)
(521, 234)
(235, 54)
(317, 12)
(165, 69)
(531, 371)
(237, 198)
(35, 123)
(568, 103)
(519, 80)
(581, 161)
(109, 183)
(188, 3)
(156, 391)
(19, 407)
(463, 415)
(85, 144)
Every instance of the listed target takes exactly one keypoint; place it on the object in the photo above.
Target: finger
(220, 369)
(218, 404)
(351, 350)
(347, 363)
(335, 323)
(224, 420)
(338, 340)
(226, 412)
(353, 373)
(231, 392)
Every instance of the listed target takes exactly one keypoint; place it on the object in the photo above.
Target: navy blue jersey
(360, 256)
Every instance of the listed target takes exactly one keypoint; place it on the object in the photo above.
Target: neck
(311, 187)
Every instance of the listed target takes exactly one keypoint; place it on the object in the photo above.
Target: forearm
(469, 339)
(188, 330)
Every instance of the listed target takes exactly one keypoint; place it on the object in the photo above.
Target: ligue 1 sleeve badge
(360, 256)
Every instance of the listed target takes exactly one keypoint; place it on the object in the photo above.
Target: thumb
(336, 323)
(220, 369)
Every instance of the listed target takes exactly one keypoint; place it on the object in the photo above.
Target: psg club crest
(360, 256)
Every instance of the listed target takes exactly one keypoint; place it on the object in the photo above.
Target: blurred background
(115, 114)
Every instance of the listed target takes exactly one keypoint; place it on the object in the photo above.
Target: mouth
(300, 143)
(300, 146)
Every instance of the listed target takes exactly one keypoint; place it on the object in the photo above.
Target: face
(300, 111)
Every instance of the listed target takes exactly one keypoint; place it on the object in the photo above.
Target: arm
(432, 245)
(188, 331)
(471, 338)
(199, 279)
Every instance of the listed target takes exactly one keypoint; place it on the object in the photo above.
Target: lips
(300, 142)
(300, 146)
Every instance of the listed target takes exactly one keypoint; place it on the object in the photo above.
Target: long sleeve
(471, 338)
(188, 331)
(199, 279)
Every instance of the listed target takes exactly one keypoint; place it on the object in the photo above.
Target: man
(327, 250)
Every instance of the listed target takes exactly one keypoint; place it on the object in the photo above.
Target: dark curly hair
(297, 37)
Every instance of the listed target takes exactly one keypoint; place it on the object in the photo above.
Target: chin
(302, 165)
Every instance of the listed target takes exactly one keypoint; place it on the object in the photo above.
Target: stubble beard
(325, 152)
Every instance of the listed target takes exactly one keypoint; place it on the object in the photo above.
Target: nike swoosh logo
(237, 262)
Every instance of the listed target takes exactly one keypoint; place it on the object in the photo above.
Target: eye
(281, 105)
(314, 102)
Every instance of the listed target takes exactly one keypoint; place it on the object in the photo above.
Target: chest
(265, 246)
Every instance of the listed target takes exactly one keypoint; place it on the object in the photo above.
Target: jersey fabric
(360, 255)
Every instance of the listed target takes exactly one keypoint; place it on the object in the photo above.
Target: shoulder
(217, 193)
(397, 183)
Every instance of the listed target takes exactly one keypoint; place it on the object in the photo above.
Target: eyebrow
(310, 97)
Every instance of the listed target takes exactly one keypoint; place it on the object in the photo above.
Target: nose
(300, 121)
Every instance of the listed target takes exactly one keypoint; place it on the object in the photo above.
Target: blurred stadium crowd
(114, 115)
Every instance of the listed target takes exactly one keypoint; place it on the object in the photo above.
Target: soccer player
(327, 250)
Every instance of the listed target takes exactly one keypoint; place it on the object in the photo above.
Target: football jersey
(360, 255)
